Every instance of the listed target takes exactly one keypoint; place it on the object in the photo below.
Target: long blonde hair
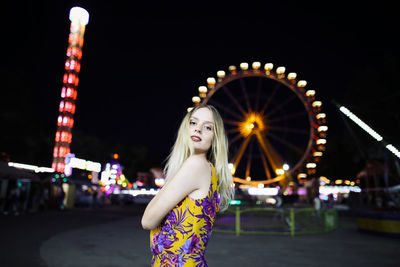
(217, 155)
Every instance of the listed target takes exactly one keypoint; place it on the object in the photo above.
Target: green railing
(286, 221)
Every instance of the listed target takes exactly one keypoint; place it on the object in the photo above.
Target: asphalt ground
(112, 236)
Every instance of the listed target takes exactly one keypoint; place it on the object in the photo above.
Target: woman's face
(201, 127)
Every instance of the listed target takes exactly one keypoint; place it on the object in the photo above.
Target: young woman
(199, 183)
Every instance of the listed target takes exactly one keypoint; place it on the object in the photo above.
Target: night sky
(142, 63)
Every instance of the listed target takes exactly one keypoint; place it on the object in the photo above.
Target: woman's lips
(195, 138)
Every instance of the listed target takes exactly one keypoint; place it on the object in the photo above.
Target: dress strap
(212, 169)
(214, 178)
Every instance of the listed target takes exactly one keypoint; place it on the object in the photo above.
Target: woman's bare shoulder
(196, 165)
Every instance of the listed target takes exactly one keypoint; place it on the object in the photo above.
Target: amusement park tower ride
(79, 19)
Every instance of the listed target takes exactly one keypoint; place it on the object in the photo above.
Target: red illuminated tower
(79, 18)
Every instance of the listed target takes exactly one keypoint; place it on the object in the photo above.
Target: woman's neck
(200, 155)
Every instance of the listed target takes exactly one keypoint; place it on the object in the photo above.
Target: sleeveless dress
(182, 237)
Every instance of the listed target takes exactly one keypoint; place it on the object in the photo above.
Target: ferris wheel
(275, 126)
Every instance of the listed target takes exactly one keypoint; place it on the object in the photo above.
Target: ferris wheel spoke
(233, 130)
(226, 109)
(286, 117)
(272, 156)
(234, 139)
(242, 148)
(246, 97)
(230, 122)
(249, 155)
(259, 84)
(265, 164)
(234, 100)
(270, 98)
(286, 143)
(281, 105)
(287, 129)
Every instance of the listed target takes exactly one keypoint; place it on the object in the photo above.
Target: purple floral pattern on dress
(182, 237)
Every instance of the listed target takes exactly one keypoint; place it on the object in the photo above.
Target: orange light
(67, 106)
(70, 91)
(57, 136)
(65, 121)
(115, 156)
(71, 78)
(253, 121)
(55, 152)
(61, 109)
(63, 92)
(59, 120)
(75, 52)
(72, 65)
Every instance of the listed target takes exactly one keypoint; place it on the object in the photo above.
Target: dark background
(143, 61)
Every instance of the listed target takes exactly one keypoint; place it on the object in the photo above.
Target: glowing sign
(84, 164)
(142, 191)
(326, 190)
(266, 191)
(30, 167)
(235, 202)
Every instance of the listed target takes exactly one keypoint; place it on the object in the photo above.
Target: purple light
(302, 191)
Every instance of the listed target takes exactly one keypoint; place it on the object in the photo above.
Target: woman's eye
(208, 128)
(192, 123)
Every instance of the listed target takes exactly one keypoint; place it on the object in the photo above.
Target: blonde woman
(199, 184)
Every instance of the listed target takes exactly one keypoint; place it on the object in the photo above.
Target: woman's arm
(182, 184)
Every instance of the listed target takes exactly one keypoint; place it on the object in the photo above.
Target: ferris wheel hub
(253, 122)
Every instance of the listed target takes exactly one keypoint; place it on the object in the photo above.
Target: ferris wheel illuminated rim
(253, 121)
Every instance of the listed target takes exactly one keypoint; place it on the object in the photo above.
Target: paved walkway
(112, 236)
(123, 243)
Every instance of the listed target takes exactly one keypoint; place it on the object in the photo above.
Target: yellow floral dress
(182, 237)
